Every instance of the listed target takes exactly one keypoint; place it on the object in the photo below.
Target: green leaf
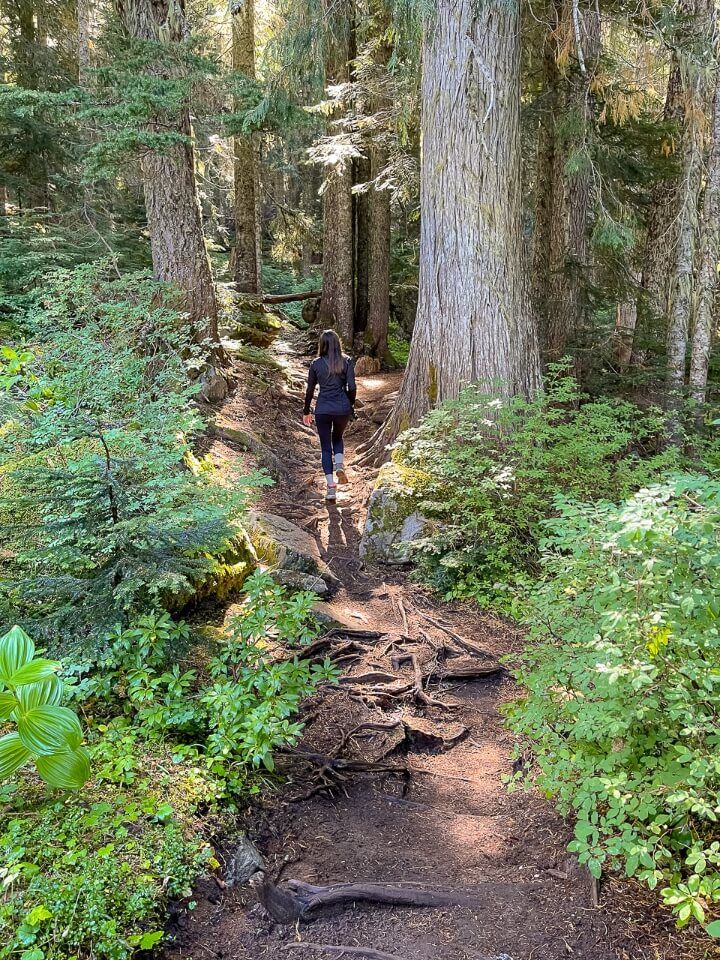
(16, 650)
(148, 940)
(13, 754)
(7, 705)
(32, 672)
(38, 914)
(713, 929)
(49, 729)
(67, 769)
(48, 691)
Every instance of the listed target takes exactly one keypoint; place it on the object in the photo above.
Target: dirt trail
(450, 824)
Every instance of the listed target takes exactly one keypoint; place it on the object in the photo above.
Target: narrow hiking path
(442, 817)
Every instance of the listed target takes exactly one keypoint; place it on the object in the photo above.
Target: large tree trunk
(545, 172)
(171, 200)
(337, 303)
(376, 336)
(247, 261)
(571, 193)
(474, 321)
(362, 244)
(379, 199)
(682, 278)
(710, 256)
(660, 243)
(85, 31)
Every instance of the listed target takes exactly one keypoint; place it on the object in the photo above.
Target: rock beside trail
(392, 524)
(244, 861)
(284, 546)
(296, 580)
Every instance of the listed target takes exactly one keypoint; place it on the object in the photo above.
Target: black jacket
(337, 390)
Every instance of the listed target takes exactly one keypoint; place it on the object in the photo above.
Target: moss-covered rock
(393, 522)
(250, 324)
(282, 545)
(227, 573)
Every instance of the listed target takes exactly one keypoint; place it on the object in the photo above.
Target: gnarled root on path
(298, 901)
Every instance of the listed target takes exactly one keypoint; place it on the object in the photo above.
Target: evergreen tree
(168, 164)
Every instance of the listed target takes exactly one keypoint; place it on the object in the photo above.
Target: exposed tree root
(466, 645)
(368, 952)
(298, 900)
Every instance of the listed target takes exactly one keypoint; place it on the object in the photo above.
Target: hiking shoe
(331, 493)
(342, 477)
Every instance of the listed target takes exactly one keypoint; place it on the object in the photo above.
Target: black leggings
(331, 429)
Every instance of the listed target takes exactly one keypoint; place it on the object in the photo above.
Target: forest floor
(442, 817)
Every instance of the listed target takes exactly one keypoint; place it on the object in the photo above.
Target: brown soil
(444, 818)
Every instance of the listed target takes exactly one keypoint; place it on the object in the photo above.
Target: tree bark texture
(376, 336)
(625, 323)
(681, 303)
(474, 321)
(362, 244)
(85, 31)
(570, 192)
(545, 174)
(710, 256)
(247, 261)
(337, 303)
(379, 200)
(661, 240)
(171, 199)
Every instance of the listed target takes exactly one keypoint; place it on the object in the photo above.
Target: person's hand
(307, 419)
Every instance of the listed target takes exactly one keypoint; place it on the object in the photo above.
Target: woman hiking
(335, 374)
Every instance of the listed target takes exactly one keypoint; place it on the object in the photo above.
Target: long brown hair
(330, 346)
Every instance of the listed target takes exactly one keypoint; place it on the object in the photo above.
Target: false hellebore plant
(46, 733)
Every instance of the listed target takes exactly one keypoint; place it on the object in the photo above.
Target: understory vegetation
(579, 517)
(112, 527)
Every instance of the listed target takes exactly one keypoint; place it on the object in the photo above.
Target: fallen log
(281, 297)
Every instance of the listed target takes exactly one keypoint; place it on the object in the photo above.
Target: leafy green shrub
(92, 875)
(106, 512)
(230, 711)
(176, 732)
(50, 735)
(486, 474)
(623, 685)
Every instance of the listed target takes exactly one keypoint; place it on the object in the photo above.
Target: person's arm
(351, 386)
(311, 384)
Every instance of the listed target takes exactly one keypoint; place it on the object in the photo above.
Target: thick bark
(474, 322)
(625, 323)
(336, 305)
(661, 240)
(308, 204)
(545, 173)
(85, 31)
(379, 259)
(379, 200)
(171, 200)
(676, 342)
(246, 261)
(362, 244)
(710, 256)
(571, 193)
